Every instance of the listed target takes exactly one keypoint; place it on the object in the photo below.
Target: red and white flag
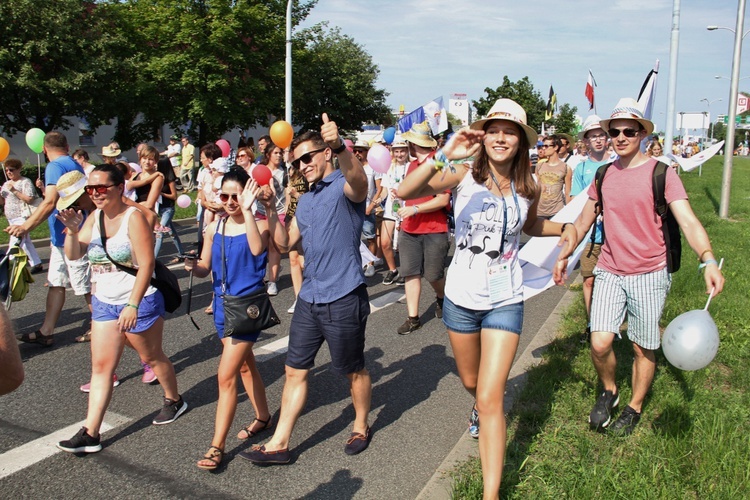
(589, 92)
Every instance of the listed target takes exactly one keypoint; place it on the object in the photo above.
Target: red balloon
(261, 174)
(224, 146)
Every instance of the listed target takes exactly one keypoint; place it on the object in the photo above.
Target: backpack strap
(599, 206)
(658, 184)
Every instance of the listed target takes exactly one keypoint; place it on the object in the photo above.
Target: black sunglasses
(99, 188)
(307, 157)
(224, 197)
(629, 132)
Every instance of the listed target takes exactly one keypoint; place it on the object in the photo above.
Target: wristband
(339, 149)
(440, 160)
(131, 305)
(416, 209)
(562, 230)
(704, 252)
(704, 264)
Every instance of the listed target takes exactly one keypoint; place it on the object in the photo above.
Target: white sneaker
(369, 270)
(273, 289)
(291, 309)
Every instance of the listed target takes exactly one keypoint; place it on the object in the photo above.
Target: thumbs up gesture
(330, 132)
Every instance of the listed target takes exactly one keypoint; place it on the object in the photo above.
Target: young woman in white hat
(495, 198)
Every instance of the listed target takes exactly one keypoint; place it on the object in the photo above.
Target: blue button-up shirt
(331, 228)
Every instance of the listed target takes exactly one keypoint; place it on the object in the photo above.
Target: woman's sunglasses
(629, 132)
(306, 158)
(224, 197)
(98, 188)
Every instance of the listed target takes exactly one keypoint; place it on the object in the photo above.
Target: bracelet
(440, 160)
(131, 305)
(339, 149)
(704, 264)
(562, 230)
(416, 209)
(704, 252)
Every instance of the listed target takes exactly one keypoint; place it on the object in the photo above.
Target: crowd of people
(485, 186)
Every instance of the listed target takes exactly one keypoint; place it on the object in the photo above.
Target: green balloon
(35, 139)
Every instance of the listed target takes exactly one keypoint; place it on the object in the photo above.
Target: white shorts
(642, 296)
(64, 272)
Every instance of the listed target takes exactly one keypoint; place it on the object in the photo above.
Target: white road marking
(37, 450)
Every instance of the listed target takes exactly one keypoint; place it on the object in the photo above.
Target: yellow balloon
(4, 149)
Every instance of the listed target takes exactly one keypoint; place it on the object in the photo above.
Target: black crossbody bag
(164, 280)
(244, 314)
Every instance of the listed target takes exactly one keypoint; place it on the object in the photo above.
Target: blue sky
(431, 48)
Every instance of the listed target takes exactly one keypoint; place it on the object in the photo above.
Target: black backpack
(669, 226)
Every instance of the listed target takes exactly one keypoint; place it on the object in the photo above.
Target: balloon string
(713, 288)
(38, 166)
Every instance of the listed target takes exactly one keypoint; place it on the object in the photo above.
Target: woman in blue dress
(246, 243)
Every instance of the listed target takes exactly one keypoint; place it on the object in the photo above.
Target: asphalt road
(419, 409)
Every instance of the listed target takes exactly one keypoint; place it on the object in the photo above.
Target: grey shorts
(642, 296)
(423, 255)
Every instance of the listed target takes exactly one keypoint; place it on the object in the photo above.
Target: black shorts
(341, 323)
(423, 255)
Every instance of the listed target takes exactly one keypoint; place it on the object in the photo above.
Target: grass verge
(42, 230)
(692, 441)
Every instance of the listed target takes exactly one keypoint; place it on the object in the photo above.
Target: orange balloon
(4, 149)
(281, 134)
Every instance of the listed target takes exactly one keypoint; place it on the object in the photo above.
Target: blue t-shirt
(52, 173)
(330, 225)
(583, 176)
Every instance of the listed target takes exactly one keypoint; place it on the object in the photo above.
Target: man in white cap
(62, 272)
(632, 274)
(596, 140)
(423, 237)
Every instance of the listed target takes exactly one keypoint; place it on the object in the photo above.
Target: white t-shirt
(174, 148)
(479, 218)
(390, 181)
(372, 176)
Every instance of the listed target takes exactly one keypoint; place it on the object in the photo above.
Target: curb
(440, 485)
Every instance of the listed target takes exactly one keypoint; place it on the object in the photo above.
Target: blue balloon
(389, 134)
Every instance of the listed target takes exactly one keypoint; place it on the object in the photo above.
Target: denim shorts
(463, 320)
(150, 310)
(368, 227)
(341, 324)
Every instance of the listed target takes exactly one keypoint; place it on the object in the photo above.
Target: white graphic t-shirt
(480, 216)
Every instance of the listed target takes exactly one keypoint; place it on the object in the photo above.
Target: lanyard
(505, 208)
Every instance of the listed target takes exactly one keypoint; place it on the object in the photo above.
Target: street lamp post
(288, 89)
(726, 180)
(708, 104)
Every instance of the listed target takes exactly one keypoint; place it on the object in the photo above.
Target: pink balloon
(379, 158)
(184, 201)
(224, 146)
(349, 145)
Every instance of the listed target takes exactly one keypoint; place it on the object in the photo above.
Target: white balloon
(691, 340)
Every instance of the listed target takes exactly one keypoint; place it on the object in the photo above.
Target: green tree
(523, 92)
(334, 74)
(565, 120)
(57, 60)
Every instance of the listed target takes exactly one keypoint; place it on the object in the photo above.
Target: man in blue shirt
(333, 305)
(596, 141)
(62, 272)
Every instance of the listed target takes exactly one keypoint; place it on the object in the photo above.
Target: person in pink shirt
(631, 274)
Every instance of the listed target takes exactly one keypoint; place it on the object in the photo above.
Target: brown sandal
(86, 337)
(36, 337)
(213, 455)
(246, 433)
